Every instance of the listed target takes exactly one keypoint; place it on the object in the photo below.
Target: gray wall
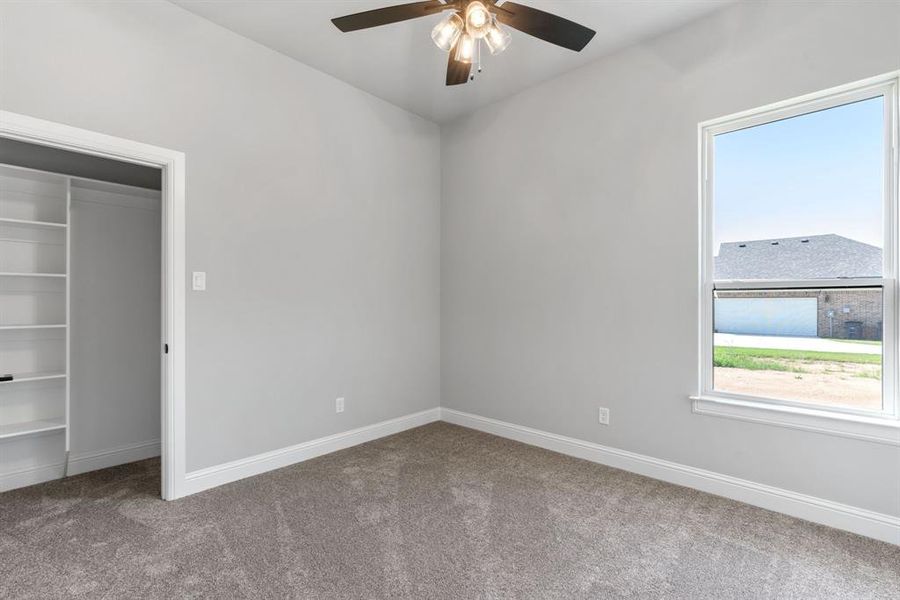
(313, 207)
(580, 221)
(115, 312)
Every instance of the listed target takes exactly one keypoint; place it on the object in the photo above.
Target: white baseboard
(79, 463)
(204, 479)
(840, 516)
(92, 461)
(30, 476)
(833, 514)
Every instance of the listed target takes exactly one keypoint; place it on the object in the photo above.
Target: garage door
(766, 316)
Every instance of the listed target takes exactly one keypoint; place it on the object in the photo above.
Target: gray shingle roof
(811, 257)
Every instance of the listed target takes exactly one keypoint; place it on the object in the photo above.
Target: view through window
(798, 238)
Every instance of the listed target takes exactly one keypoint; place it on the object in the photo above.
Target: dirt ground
(837, 384)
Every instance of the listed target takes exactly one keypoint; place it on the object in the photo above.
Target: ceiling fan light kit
(478, 20)
(447, 32)
(498, 38)
(470, 21)
(467, 50)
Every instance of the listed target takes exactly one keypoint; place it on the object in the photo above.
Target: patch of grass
(869, 375)
(723, 357)
(732, 355)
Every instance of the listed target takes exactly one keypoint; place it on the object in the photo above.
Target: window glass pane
(801, 198)
(816, 346)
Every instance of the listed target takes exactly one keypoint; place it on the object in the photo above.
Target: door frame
(174, 288)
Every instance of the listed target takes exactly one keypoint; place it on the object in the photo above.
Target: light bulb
(497, 38)
(465, 49)
(447, 32)
(478, 19)
(477, 16)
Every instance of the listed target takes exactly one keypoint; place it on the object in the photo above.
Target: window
(799, 263)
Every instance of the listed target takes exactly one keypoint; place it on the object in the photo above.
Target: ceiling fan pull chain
(478, 54)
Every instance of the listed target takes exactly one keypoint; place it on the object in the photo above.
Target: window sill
(882, 430)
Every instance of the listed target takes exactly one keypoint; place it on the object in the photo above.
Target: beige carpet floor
(435, 512)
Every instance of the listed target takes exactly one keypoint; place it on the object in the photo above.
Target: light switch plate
(198, 281)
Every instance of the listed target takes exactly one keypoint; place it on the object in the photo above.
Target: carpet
(439, 511)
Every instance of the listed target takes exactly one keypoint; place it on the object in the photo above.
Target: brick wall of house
(845, 305)
(836, 308)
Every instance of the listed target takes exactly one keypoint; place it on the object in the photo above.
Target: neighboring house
(834, 313)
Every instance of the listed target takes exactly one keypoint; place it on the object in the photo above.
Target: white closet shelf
(11, 274)
(19, 327)
(48, 224)
(24, 241)
(31, 427)
(41, 376)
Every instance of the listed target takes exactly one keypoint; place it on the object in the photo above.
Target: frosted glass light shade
(465, 50)
(497, 38)
(447, 32)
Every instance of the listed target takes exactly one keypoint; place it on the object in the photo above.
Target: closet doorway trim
(56, 135)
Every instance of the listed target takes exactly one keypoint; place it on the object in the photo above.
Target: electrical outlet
(604, 416)
(339, 405)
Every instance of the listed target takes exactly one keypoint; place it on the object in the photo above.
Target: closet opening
(83, 329)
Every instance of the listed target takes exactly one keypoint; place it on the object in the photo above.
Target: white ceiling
(400, 64)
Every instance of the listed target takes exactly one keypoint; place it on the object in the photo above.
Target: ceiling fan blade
(544, 25)
(387, 15)
(457, 71)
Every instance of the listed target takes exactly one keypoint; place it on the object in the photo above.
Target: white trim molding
(80, 463)
(818, 510)
(14, 480)
(881, 425)
(871, 429)
(174, 288)
(204, 479)
(93, 461)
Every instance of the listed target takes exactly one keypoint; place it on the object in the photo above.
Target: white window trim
(881, 427)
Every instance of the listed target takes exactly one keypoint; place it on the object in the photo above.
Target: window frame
(880, 426)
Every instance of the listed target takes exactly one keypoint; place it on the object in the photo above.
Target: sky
(813, 174)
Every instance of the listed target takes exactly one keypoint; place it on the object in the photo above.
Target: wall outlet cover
(604, 416)
(339, 405)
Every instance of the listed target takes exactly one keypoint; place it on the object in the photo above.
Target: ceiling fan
(469, 23)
